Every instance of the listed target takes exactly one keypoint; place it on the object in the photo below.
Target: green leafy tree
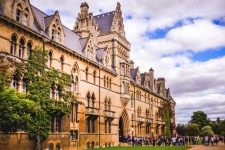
(222, 127)
(215, 125)
(181, 129)
(193, 130)
(39, 80)
(206, 130)
(15, 110)
(200, 118)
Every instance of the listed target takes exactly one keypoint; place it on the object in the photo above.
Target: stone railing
(108, 113)
(160, 122)
(141, 119)
(92, 111)
(149, 120)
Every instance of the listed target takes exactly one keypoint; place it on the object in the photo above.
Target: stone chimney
(131, 64)
(84, 10)
(151, 73)
(162, 83)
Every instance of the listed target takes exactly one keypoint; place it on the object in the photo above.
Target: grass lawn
(147, 148)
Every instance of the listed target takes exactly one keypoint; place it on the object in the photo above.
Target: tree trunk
(38, 147)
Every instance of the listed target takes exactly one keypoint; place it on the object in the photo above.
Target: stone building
(119, 99)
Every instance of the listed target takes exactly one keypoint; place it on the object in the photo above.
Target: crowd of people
(175, 141)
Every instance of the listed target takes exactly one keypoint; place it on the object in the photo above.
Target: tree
(215, 126)
(33, 111)
(200, 118)
(206, 130)
(192, 130)
(181, 129)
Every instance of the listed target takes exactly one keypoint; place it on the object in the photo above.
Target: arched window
(49, 59)
(122, 70)
(132, 100)
(25, 17)
(29, 47)
(21, 48)
(53, 32)
(105, 104)
(18, 13)
(110, 84)
(107, 82)
(61, 64)
(74, 84)
(13, 45)
(123, 86)
(94, 76)
(104, 81)
(109, 104)
(86, 73)
(57, 35)
(14, 83)
(23, 87)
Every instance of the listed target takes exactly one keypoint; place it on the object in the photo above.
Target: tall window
(107, 126)
(53, 34)
(24, 87)
(132, 100)
(49, 59)
(123, 86)
(94, 77)
(25, 17)
(90, 125)
(61, 64)
(74, 84)
(14, 83)
(18, 13)
(21, 48)
(29, 47)
(86, 73)
(57, 123)
(13, 45)
(74, 110)
(123, 71)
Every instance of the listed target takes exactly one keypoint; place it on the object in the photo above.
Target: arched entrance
(123, 125)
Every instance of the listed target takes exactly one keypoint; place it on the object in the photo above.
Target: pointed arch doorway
(123, 125)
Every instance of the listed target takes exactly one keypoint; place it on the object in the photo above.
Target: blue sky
(182, 40)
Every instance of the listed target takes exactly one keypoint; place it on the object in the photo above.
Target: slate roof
(133, 73)
(40, 16)
(83, 42)
(142, 79)
(100, 52)
(104, 21)
(1, 10)
(48, 20)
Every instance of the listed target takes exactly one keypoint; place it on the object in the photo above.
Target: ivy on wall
(167, 118)
(33, 111)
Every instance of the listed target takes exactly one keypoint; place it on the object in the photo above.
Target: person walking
(206, 140)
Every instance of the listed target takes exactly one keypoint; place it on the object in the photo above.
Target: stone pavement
(202, 147)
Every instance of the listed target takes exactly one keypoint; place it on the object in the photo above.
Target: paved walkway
(201, 147)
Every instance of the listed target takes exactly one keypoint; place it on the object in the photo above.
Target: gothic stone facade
(119, 100)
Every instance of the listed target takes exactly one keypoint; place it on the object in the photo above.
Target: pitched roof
(40, 16)
(100, 52)
(133, 73)
(83, 42)
(104, 21)
(1, 10)
(72, 41)
(48, 20)
(142, 79)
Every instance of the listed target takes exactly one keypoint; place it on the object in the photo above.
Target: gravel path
(201, 147)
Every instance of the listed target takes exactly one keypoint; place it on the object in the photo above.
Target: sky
(182, 40)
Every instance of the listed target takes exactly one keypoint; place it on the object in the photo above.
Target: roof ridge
(104, 13)
(39, 9)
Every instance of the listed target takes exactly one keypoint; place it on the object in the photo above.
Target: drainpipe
(134, 113)
(113, 53)
(99, 106)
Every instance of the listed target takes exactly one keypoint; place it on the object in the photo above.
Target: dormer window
(89, 54)
(18, 13)
(25, 17)
(53, 34)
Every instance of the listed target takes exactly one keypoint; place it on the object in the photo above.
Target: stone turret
(131, 64)
(85, 22)
(84, 10)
